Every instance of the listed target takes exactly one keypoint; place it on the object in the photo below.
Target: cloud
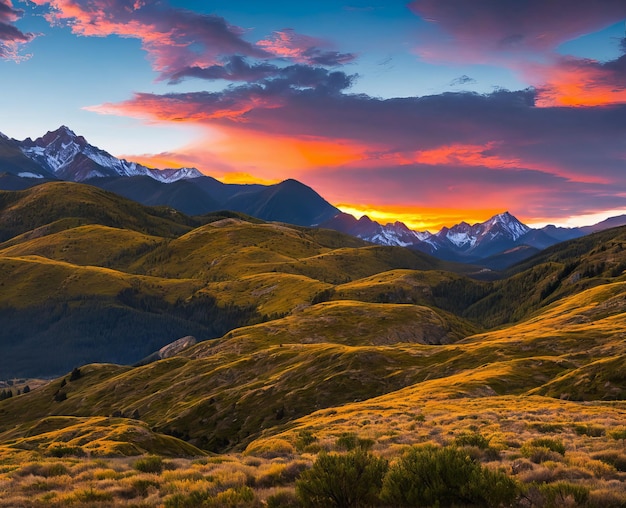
(569, 81)
(462, 80)
(175, 39)
(234, 103)
(484, 28)
(461, 149)
(11, 38)
(304, 49)
(235, 68)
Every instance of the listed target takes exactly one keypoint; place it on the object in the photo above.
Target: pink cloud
(173, 38)
(451, 148)
(11, 38)
(301, 48)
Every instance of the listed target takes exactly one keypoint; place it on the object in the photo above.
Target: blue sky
(429, 111)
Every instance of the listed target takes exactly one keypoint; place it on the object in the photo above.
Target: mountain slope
(38, 206)
(289, 201)
(71, 157)
(14, 162)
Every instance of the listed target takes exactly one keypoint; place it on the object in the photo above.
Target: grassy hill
(319, 343)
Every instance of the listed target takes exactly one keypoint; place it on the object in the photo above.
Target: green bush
(151, 464)
(349, 441)
(305, 438)
(188, 500)
(64, 451)
(282, 499)
(560, 494)
(352, 479)
(555, 445)
(472, 439)
(538, 450)
(589, 430)
(431, 476)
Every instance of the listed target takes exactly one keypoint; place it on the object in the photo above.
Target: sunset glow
(429, 112)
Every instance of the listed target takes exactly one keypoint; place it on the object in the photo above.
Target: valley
(309, 342)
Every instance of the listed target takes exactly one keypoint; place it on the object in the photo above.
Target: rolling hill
(308, 341)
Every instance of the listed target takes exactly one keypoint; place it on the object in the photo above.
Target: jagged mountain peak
(70, 157)
(62, 135)
(509, 224)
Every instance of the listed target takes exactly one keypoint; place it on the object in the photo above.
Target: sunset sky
(426, 111)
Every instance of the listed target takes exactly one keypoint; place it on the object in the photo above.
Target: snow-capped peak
(71, 157)
(513, 227)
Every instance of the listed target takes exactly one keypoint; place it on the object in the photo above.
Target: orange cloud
(459, 154)
(246, 148)
(572, 82)
(202, 108)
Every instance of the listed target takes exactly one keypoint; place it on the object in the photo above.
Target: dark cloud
(517, 25)
(236, 68)
(317, 56)
(462, 80)
(11, 38)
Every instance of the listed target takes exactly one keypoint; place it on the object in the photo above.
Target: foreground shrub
(282, 499)
(560, 494)
(543, 449)
(472, 439)
(353, 479)
(350, 441)
(554, 445)
(430, 476)
(152, 464)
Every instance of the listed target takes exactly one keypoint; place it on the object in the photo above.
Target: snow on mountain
(462, 242)
(71, 157)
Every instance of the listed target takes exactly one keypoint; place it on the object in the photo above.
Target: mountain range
(242, 355)
(62, 155)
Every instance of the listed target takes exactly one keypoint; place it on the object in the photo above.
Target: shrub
(92, 495)
(282, 499)
(270, 449)
(543, 449)
(614, 458)
(188, 500)
(472, 439)
(555, 445)
(153, 464)
(349, 441)
(431, 476)
(345, 480)
(618, 434)
(64, 451)
(141, 486)
(305, 438)
(560, 494)
(242, 496)
(589, 430)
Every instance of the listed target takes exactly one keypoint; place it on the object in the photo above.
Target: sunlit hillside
(313, 347)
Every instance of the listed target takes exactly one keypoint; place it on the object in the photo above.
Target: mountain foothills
(299, 347)
(62, 155)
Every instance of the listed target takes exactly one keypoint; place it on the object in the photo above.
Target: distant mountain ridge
(494, 243)
(63, 155)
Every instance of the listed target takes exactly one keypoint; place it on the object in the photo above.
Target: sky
(427, 111)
